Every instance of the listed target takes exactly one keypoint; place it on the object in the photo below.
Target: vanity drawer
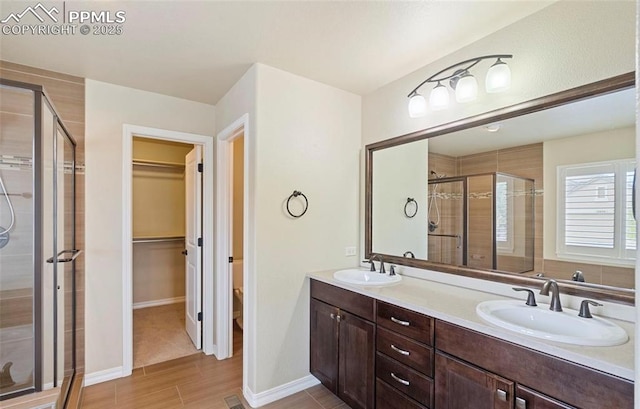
(405, 350)
(408, 381)
(406, 322)
(346, 300)
(388, 397)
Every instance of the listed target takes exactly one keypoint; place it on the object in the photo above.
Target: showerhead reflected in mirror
(547, 191)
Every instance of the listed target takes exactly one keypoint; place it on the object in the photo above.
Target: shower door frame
(465, 216)
(39, 96)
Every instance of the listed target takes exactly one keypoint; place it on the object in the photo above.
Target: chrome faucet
(409, 254)
(555, 294)
(373, 267)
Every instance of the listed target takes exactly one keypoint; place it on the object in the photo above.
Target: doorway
(237, 240)
(162, 202)
(195, 310)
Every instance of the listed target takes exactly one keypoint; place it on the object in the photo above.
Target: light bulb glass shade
(439, 97)
(417, 106)
(498, 77)
(466, 88)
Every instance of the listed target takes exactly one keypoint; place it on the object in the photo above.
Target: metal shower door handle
(57, 259)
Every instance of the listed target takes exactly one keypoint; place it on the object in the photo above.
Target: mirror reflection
(545, 193)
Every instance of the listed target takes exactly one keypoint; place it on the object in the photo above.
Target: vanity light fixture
(464, 84)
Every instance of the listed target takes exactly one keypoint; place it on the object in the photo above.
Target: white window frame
(618, 255)
(507, 246)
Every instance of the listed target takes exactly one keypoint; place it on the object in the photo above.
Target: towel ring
(297, 193)
(406, 213)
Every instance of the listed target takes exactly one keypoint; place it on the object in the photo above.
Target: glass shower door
(17, 280)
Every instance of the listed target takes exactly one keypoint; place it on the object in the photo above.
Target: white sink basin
(365, 277)
(540, 322)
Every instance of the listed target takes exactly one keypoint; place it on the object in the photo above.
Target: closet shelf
(157, 164)
(157, 239)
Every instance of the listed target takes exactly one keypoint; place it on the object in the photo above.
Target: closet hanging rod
(157, 239)
(157, 164)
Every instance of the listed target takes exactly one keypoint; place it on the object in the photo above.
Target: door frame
(224, 290)
(207, 143)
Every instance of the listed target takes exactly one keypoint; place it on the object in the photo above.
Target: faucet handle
(372, 267)
(531, 298)
(584, 308)
(393, 270)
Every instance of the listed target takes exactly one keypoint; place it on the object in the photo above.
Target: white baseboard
(263, 398)
(157, 303)
(102, 376)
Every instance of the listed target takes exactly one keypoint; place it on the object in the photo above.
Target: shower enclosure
(37, 244)
(482, 221)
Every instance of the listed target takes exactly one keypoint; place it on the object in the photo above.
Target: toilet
(238, 292)
(237, 305)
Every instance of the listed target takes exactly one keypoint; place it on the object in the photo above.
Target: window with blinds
(595, 215)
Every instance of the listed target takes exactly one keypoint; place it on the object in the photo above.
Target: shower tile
(12, 134)
(16, 101)
(17, 271)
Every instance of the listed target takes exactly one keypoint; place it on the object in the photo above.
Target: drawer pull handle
(398, 379)
(521, 403)
(400, 351)
(403, 323)
(502, 395)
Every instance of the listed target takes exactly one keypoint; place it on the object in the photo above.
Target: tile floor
(159, 335)
(194, 381)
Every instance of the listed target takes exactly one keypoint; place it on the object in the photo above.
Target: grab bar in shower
(453, 236)
(57, 259)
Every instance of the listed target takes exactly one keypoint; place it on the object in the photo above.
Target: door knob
(185, 252)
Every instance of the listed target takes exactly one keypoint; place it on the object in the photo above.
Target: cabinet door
(461, 386)
(529, 399)
(357, 376)
(324, 344)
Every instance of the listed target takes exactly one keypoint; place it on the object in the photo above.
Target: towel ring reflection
(406, 212)
(297, 193)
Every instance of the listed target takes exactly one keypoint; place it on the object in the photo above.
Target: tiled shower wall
(68, 96)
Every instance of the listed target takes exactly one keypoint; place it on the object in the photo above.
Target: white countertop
(457, 305)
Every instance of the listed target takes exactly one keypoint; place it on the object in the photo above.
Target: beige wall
(158, 211)
(308, 138)
(400, 173)
(108, 107)
(305, 136)
(238, 200)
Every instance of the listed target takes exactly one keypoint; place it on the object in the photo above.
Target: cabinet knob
(338, 318)
(333, 316)
(521, 403)
(400, 380)
(403, 323)
(502, 395)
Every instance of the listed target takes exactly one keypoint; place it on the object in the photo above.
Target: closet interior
(158, 193)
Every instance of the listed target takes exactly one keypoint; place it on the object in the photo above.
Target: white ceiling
(198, 50)
(602, 113)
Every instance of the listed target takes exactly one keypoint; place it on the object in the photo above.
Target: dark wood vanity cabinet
(404, 359)
(342, 344)
(462, 386)
(541, 381)
(529, 399)
(375, 354)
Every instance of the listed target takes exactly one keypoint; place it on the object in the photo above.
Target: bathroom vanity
(420, 344)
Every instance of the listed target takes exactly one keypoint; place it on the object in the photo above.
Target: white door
(193, 285)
